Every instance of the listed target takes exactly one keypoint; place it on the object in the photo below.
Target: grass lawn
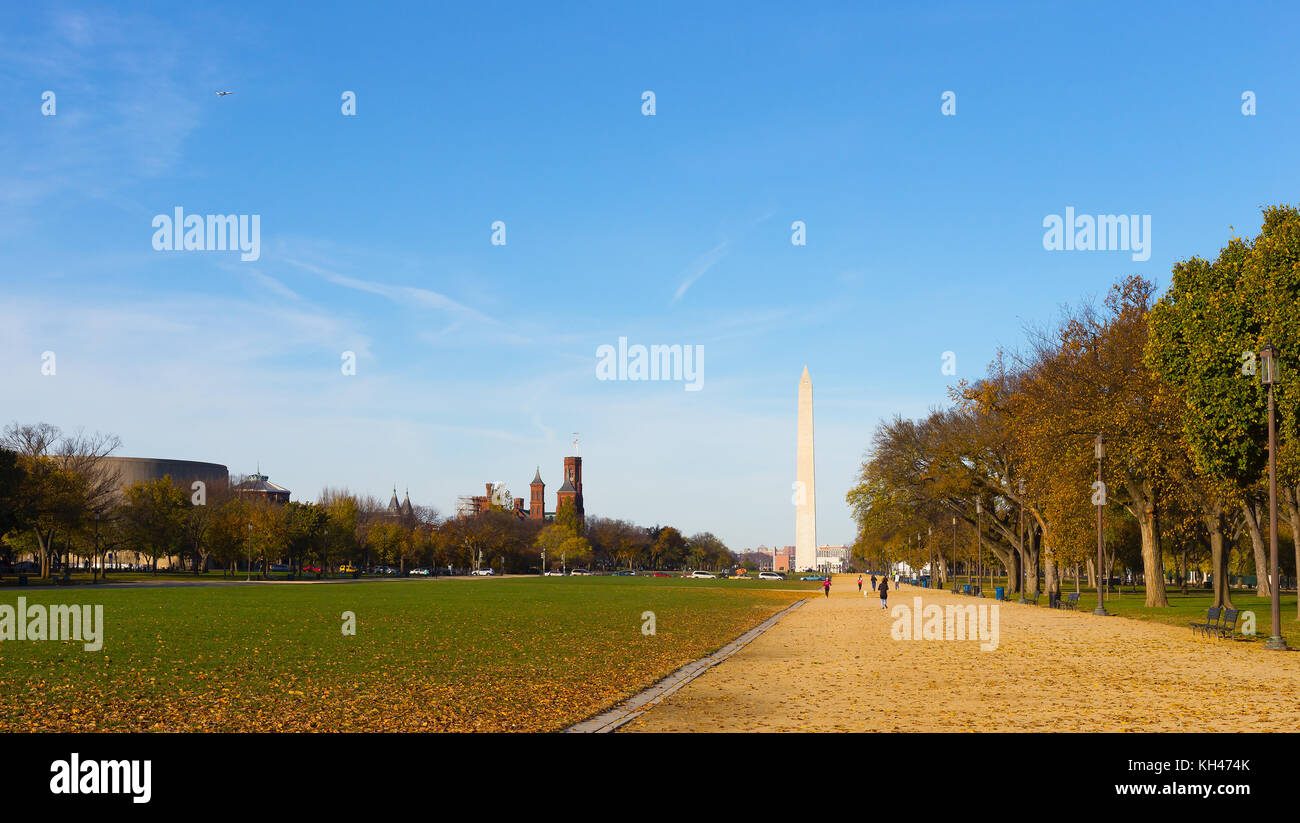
(1182, 608)
(516, 654)
(1191, 606)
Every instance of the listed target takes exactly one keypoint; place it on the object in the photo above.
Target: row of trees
(1171, 385)
(62, 503)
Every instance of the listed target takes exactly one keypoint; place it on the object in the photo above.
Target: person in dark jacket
(884, 591)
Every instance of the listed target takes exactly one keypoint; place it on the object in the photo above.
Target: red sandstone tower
(571, 492)
(537, 503)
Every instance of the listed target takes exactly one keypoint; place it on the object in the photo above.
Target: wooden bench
(1070, 602)
(1032, 599)
(1212, 617)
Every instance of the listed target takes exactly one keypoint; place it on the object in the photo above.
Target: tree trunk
(1152, 560)
(1032, 549)
(1050, 576)
(1291, 496)
(1013, 570)
(1214, 522)
(1142, 505)
(1254, 516)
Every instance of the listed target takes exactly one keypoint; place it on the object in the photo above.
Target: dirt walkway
(833, 666)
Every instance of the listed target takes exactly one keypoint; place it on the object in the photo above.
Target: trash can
(965, 588)
(1000, 592)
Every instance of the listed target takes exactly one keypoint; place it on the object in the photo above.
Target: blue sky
(476, 362)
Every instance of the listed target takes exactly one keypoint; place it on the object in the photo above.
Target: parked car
(625, 573)
(553, 573)
(312, 569)
(814, 577)
(661, 574)
(702, 575)
(347, 568)
(481, 573)
(279, 567)
(770, 576)
(421, 572)
(581, 573)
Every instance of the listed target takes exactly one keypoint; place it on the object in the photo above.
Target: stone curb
(636, 705)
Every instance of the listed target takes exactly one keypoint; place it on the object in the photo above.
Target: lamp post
(1269, 377)
(248, 570)
(1021, 538)
(954, 553)
(934, 566)
(1099, 498)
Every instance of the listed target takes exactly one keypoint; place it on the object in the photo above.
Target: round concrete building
(184, 473)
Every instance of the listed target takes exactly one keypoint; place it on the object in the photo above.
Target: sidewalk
(833, 666)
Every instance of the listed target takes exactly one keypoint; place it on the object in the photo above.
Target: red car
(661, 574)
(315, 569)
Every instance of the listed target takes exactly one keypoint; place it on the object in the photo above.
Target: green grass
(1131, 602)
(1192, 606)
(439, 655)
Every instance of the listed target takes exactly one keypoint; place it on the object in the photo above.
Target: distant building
(259, 487)
(761, 559)
(183, 473)
(568, 495)
(782, 558)
(403, 511)
(833, 558)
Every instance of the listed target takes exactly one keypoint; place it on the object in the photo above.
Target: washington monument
(805, 498)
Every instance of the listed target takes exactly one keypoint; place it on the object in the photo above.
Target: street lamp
(934, 567)
(248, 570)
(954, 554)
(1022, 541)
(1099, 498)
(1268, 375)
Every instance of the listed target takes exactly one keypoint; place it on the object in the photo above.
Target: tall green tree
(153, 518)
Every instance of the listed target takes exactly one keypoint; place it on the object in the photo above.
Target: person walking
(826, 585)
(884, 591)
(859, 584)
(873, 581)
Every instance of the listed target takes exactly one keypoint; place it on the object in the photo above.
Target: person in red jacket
(826, 585)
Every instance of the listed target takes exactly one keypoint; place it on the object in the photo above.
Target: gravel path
(833, 666)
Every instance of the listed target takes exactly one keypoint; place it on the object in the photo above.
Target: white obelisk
(805, 497)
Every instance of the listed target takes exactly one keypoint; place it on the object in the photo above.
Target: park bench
(1070, 602)
(1212, 617)
(975, 591)
(1227, 626)
(1032, 599)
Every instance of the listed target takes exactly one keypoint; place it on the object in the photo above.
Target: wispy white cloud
(401, 295)
(700, 266)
